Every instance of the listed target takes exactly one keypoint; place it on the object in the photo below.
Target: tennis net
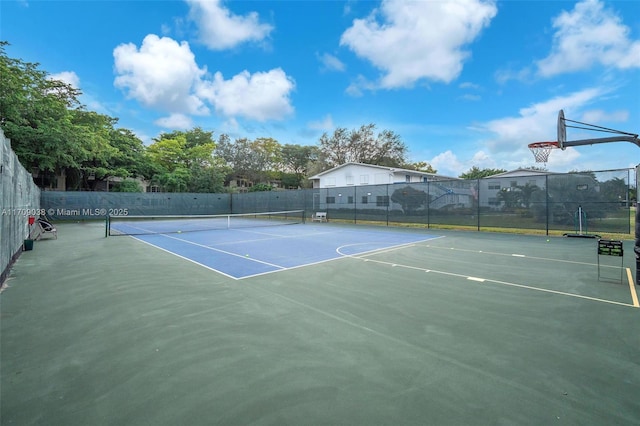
(144, 225)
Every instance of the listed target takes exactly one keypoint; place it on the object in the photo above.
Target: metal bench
(319, 217)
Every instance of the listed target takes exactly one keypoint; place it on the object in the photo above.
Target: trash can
(28, 245)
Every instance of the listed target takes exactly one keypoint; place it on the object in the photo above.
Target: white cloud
(412, 41)
(589, 35)
(161, 74)
(507, 138)
(355, 89)
(538, 122)
(220, 29)
(469, 85)
(175, 121)
(600, 116)
(326, 124)
(447, 163)
(471, 98)
(330, 62)
(260, 96)
(68, 77)
(504, 75)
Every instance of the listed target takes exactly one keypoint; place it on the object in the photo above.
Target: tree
(167, 153)
(297, 161)
(526, 193)
(360, 146)
(422, 166)
(35, 115)
(184, 162)
(615, 190)
(257, 161)
(260, 187)
(54, 135)
(476, 173)
(131, 153)
(511, 197)
(410, 199)
(267, 156)
(566, 194)
(127, 186)
(193, 137)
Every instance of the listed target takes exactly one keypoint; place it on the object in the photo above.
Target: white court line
(549, 259)
(382, 250)
(183, 257)
(275, 237)
(562, 293)
(224, 251)
(342, 256)
(280, 268)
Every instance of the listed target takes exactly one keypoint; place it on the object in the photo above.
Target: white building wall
(355, 175)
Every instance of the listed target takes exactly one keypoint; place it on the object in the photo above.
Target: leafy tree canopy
(362, 146)
(422, 166)
(477, 173)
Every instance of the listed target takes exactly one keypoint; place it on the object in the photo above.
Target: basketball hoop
(541, 150)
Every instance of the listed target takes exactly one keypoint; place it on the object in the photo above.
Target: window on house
(365, 199)
(331, 200)
(407, 178)
(494, 186)
(350, 199)
(364, 179)
(349, 180)
(382, 201)
(331, 181)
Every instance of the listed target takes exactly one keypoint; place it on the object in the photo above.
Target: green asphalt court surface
(468, 329)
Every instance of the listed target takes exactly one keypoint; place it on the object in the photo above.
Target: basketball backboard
(562, 130)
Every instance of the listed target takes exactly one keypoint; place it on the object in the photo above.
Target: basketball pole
(636, 248)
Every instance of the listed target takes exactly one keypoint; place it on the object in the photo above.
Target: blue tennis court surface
(247, 252)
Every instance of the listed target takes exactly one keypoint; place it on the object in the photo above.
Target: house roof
(520, 172)
(386, 168)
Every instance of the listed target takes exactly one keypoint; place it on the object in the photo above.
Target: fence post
(355, 205)
(546, 200)
(478, 200)
(428, 204)
(388, 203)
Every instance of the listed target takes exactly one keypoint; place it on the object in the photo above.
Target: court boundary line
(210, 248)
(549, 259)
(182, 257)
(483, 280)
(632, 288)
(224, 251)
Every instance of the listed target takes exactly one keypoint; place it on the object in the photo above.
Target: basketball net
(541, 150)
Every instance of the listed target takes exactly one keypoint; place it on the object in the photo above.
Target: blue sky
(464, 83)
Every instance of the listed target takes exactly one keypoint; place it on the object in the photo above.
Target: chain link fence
(574, 202)
(19, 199)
